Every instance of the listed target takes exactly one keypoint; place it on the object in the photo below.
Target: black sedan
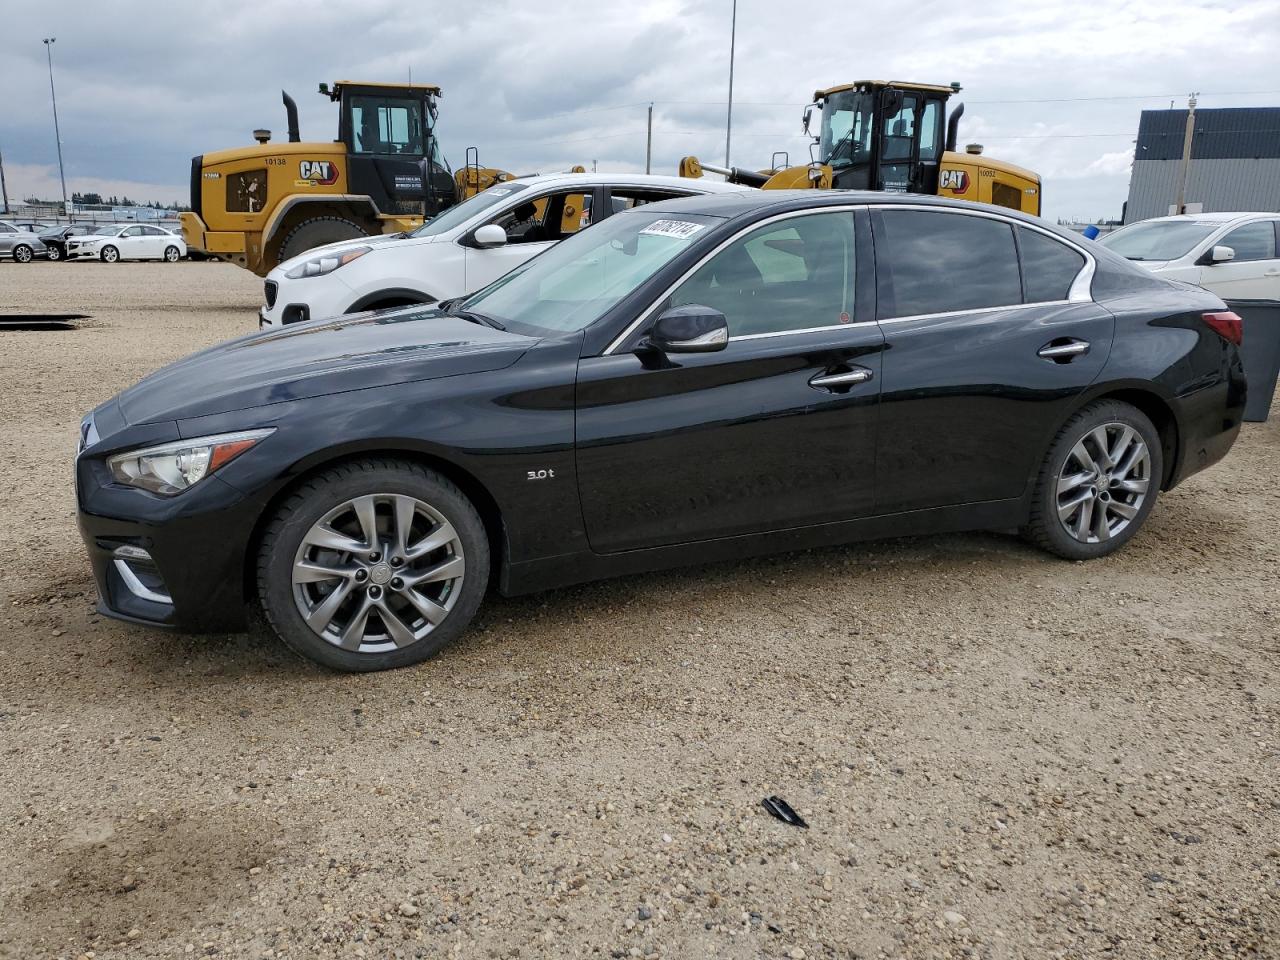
(55, 238)
(687, 381)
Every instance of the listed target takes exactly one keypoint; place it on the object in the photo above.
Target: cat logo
(317, 172)
(957, 181)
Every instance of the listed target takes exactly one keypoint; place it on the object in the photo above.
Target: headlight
(174, 467)
(326, 263)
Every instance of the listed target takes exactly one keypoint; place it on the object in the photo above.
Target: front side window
(547, 218)
(794, 274)
(386, 126)
(930, 262)
(457, 215)
(1158, 239)
(931, 130)
(1049, 268)
(574, 283)
(1253, 241)
(131, 232)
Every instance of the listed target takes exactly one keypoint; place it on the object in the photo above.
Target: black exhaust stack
(291, 111)
(953, 127)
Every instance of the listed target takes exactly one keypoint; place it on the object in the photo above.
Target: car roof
(750, 201)
(1212, 217)
(626, 180)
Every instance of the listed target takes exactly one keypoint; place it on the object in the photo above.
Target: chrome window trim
(964, 313)
(791, 214)
(1081, 289)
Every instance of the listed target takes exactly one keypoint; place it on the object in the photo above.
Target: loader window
(386, 126)
(846, 129)
(931, 130)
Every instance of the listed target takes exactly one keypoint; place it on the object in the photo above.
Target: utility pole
(648, 144)
(4, 190)
(728, 124)
(48, 48)
(1187, 135)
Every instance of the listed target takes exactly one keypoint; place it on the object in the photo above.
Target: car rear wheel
(110, 254)
(23, 254)
(372, 565)
(1098, 483)
(55, 252)
(171, 254)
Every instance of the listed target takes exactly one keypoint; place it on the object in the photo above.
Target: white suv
(1235, 255)
(461, 250)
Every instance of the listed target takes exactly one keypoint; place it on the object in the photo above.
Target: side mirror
(890, 103)
(808, 115)
(692, 328)
(490, 235)
(1220, 254)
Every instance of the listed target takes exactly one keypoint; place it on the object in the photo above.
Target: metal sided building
(1235, 162)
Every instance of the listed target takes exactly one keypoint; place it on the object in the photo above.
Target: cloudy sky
(143, 85)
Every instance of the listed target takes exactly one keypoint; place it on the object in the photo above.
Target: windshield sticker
(676, 229)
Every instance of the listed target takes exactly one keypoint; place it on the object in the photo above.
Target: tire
(55, 253)
(172, 254)
(109, 254)
(23, 253)
(1121, 486)
(315, 232)
(329, 506)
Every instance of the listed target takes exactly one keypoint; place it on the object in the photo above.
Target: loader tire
(316, 232)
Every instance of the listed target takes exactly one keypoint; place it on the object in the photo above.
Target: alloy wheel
(22, 254)
(378, 572)
(1104, 482)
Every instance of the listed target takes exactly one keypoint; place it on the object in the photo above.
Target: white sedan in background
(463, 249)
(128, 241)
(1235, 255)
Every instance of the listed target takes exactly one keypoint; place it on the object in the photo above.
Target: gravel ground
(999, 754)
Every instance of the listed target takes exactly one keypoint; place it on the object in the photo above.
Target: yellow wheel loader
(258, 206)
(894, 136)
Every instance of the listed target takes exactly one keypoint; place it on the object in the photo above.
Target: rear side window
(624, 198)
(1048, 267)
(1253, 241)
(940, 262)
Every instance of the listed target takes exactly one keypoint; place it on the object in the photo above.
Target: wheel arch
(465, 480)
(1159, 410)
(405, 294)
(294, 210)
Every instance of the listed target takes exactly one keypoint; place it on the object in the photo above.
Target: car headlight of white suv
(318, 266)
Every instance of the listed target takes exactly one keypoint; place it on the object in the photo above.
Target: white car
(128, 241)
(463, 249)
(1235, 255)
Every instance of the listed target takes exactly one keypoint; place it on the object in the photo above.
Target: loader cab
(393, 155)
(881, 136)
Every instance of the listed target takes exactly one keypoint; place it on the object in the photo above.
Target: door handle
(1064, 351)
(846, 378)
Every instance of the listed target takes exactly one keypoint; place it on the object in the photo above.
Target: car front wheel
(1098, 483)
(372, 565)
(55, 253)
(110, 254)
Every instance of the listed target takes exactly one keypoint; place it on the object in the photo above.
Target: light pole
(728, 123)
(48, 49)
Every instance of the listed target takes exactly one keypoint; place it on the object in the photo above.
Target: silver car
(22, 245)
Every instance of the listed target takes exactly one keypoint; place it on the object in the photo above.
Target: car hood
(320, 357)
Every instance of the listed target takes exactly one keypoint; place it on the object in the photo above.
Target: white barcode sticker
(676, 229)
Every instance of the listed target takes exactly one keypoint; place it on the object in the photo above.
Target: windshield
(1158, 239)
(456, 216)
(573, 284)
(845, 138)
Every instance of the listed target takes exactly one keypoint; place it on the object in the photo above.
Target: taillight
(1228, 325)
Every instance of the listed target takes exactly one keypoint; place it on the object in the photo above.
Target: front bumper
(82, 253)
(295, 301)
(196, 542)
